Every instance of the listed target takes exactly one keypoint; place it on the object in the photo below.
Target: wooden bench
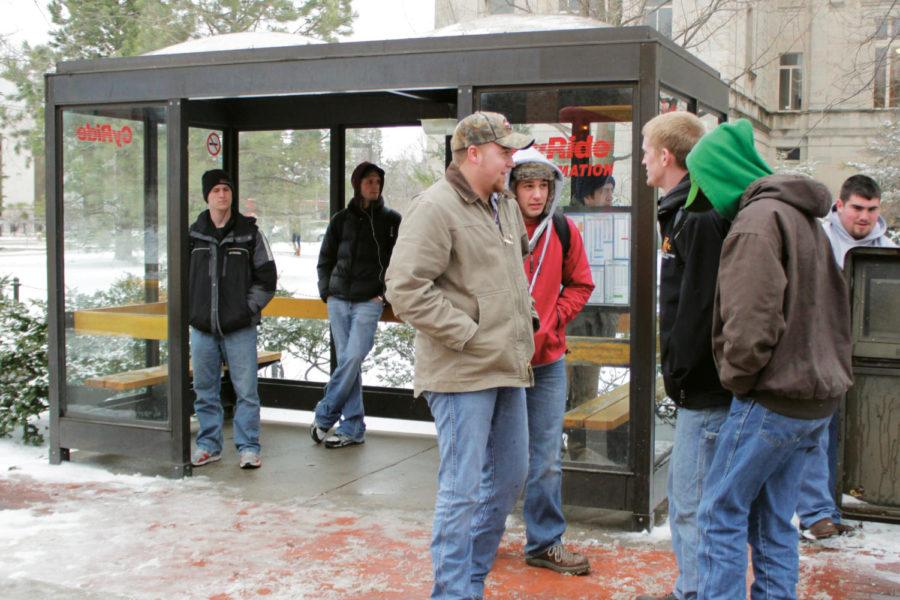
(600, 425)
(607, 411)
(138, 378)
(149, 321)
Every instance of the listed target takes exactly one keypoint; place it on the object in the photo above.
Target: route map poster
(607, 243)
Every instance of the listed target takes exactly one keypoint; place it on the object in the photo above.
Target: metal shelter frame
(364, 84)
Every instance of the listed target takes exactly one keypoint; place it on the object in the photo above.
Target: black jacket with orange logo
(691, 243)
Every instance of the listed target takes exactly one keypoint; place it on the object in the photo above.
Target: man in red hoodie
(559, 280)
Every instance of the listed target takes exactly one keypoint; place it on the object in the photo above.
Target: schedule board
(607, 243)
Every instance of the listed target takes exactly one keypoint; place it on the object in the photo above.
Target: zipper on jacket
(377, 251)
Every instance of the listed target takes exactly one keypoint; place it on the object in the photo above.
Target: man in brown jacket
(456, 276)
(781, 339)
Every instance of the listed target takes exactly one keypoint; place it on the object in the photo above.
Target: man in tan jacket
(456, 276)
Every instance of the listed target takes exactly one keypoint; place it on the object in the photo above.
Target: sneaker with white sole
(201, 457)
(250, 459)
(317, 433)
(339, 440)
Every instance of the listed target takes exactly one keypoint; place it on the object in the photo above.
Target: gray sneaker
(250, 459)
(202, 457)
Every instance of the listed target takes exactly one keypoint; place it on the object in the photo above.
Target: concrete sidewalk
(323, 524)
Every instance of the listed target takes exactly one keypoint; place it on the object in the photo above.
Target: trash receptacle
(871, 440)
(872, 436)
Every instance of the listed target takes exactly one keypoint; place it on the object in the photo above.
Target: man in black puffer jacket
(352, 262)
(232, 278)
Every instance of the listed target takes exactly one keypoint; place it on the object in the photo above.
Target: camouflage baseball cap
(484, 127)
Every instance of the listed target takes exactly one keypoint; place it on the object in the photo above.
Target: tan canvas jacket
(458, 279)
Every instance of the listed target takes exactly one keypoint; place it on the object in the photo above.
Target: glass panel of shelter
(205, 152)
(114, 264)
(412, 160)
(664, 408)
(587, 132)
(710, 117)
(284, 183)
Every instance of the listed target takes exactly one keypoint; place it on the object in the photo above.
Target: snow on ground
(127, 536)
(75, 530)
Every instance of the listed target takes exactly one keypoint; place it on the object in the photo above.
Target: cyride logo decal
(104, 134)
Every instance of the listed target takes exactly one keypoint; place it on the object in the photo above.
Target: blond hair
(676, 132)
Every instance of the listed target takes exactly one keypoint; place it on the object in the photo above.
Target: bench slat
(129, 380)
(606, 411)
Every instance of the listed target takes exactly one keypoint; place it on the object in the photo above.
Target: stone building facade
(817, 78)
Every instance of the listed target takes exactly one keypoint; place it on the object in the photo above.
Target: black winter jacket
(356, 250)
(691, 243)
(232, 274)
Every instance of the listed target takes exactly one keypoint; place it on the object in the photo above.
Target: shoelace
(559, 554)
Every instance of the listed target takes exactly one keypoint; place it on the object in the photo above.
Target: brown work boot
(826, 528)
(557, 558)
(670, 596)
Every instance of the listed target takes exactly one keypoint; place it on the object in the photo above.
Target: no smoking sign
(213, 144)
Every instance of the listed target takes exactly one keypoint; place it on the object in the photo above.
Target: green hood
(722, 164)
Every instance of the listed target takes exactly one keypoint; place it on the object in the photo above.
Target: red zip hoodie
(561, 291)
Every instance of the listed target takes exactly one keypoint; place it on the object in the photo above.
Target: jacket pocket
(494, 347)
(234, 312)
(200, 290)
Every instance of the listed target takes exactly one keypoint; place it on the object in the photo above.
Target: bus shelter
(128, 138)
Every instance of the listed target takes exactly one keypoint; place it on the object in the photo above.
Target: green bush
(24, 379)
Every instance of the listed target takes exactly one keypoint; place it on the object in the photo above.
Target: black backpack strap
(561, 226)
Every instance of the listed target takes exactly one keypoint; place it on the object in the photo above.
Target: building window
(887, 64)
(659, 16)
(500, 7)
(790, 81)
(788, 153)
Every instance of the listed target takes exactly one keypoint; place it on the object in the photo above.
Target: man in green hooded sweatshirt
(781, 340)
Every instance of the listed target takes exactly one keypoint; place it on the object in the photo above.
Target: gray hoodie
(842, 242)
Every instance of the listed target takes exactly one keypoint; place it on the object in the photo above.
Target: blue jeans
(238, 350)
(750, 495)
(483, 447)
(695, 444)
(817, 487)
(546, 401)
(353, 326)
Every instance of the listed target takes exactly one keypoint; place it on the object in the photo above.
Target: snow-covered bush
(24, 380)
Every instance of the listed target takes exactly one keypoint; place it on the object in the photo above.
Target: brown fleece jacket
(781, 322)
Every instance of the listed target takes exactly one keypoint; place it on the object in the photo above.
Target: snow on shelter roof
(516, 23)
(492, 24)
(237, 41)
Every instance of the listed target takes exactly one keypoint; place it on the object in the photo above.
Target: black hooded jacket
(357, 247)
(232, 274)
(691, 243)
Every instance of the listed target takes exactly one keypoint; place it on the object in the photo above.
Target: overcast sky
(378, 19)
